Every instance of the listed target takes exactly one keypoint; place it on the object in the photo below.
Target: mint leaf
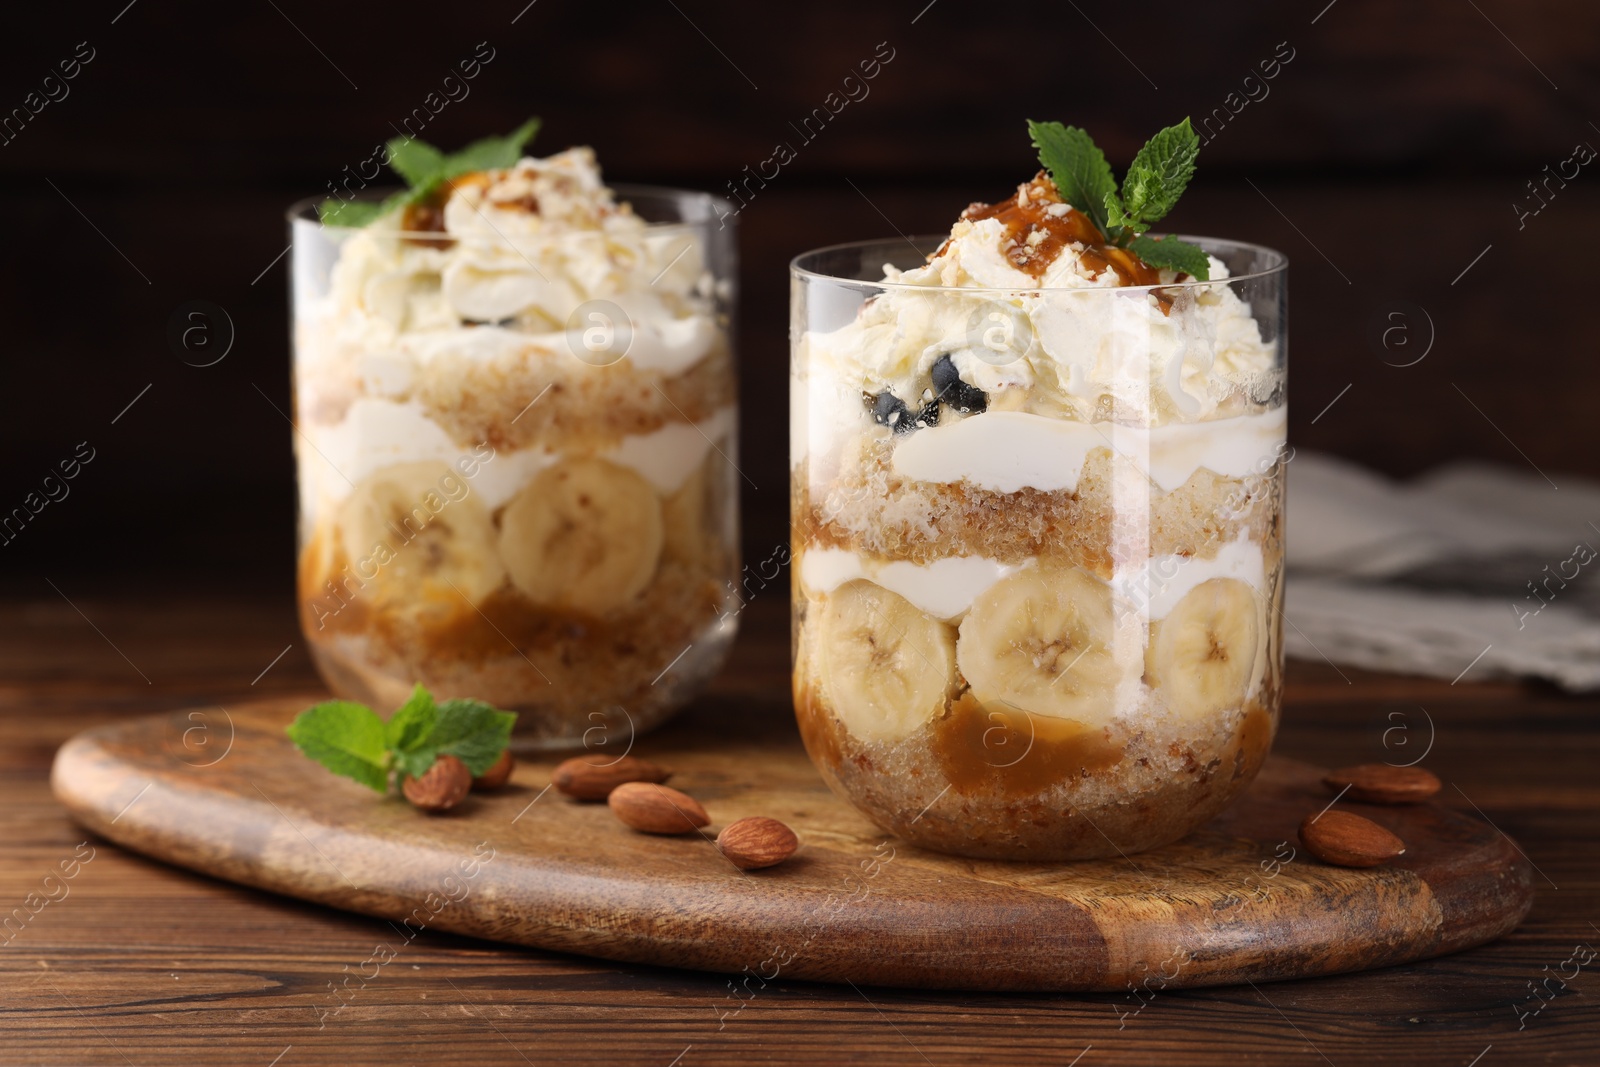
(354, 213)
(416, 763)
(1159, 174)
(1078, 167)
(491, 153)
(1115, 216)
(345, 737)
(425, 168)
(411, 724)
(409, 730)
(1173, 254)
(418, 162)
(472, 731)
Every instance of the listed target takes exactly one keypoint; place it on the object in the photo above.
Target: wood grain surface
(1239, 900)
(145, 963)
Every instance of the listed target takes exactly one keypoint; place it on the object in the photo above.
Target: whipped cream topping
(1048, 327)
(519, 253)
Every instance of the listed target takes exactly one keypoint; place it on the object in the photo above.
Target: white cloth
(1471, 571)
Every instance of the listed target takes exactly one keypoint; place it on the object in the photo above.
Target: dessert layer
(377, 433)
(945, 588)
(527, 660)
(1048, 640)
(987, 782)
(1113, 518)
(1009, 450)
(513, 391)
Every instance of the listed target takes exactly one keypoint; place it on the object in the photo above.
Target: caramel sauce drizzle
(1035, 235)
(427, 215)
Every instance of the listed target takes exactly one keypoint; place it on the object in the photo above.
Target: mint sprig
(1078, 167)
(425, 169)
(1155, 180)
(345, 737)
(351, 739)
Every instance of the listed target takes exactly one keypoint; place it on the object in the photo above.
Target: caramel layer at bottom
(1003, 785)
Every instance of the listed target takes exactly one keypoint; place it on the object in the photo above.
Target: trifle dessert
(514, 400)
(1037, 483)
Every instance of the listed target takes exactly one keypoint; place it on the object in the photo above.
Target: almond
(497, 774)
(1379, 783)
(1347, 840)
(584, 778)
(441, 787)
(757, 841)
(656, 809)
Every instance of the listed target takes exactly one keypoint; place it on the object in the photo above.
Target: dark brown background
(1392, 148)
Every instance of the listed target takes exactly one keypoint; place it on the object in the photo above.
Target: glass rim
(797, 268)
(304, 209)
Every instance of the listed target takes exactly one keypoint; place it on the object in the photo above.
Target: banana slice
(1202, 656)
(885, 667)
(585, 535)
(684, 518)
(1041, 641)
(417, 533)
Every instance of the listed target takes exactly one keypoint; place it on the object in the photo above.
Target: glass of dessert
(515, 435)
(1037, 503)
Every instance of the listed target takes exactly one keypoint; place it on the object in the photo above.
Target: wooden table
(136, 963)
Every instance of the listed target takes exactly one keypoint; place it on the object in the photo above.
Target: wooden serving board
(526, 865)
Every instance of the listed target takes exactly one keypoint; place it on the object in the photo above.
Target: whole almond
(1347, 840)
(583, 778)
(441, 787)
(757, 841)
(497, 774)
(656, 809)
(1379, 783)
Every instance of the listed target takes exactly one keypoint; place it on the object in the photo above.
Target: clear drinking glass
(516, 461)
(1037, 549)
